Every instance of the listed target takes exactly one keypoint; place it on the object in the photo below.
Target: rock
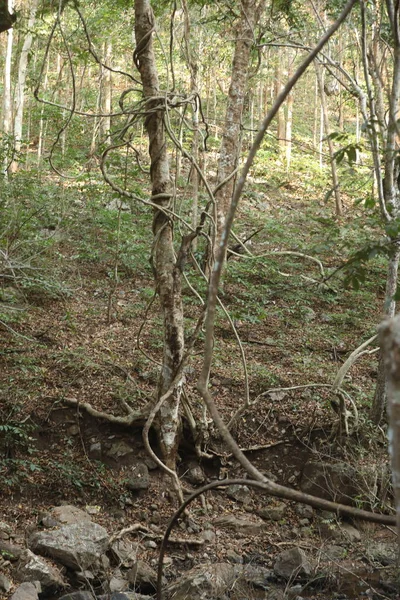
(10, 551)
(304, 511)
(117, 204)
(142, 577)
(202, 582)
(258, 577)
(349, 533)
(151, 544)
(120, 449)
(139, 478)
(92, 509)
(5, 530)
(68, 514)
(34, 568)
(124, 596)
(125, 552)
(95, 451)
(76, 546)
(78, 596)
(292, 563)
(273, 513)
(150, 463)
(118, 584)
(233, 557)
(333, 552)
(384, 553)
(49, 522)
(27, 591)
(294, 591)
(309, 314)
(240, 526)
(218, 580)
(240, 493)
(208, 535)
(5, 584)
(195, 474)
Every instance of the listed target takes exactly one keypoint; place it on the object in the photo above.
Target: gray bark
(167, 273)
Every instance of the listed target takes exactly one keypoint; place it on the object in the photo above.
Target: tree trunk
(392, 203)
(20, 92)
(106, 93)
(277, 90)
(7, 108)
(390, 349)
(327, 129)
(230, 145)
(289, 116)
(167, 273)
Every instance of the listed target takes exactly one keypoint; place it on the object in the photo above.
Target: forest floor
(72, 329)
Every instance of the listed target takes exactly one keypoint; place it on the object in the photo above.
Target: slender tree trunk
(289, 116)
(7, 106)
(20, 91)
(41, 144)
(166, 271)
(230, 145)
(327, 129)
(106, 94)
(277, 89)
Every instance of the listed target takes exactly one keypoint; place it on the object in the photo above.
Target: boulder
(34, 568)
(5, 584)
(292, 563)
(195, 473)
(240, 493)
(384, 553)
(27, 591)
(142, 577)
(274, 512)
(239, 525)
(139, 477)
(120, 449)
(78, 596)
(123, 596)
(125, 552)
(77, 546)
(68, 514)
(218, 581)
(10, 551)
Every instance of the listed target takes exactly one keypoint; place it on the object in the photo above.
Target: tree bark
(20, 92)
(390, 348)
(327, 129)
(230, 144)
(7, 107)
(167, 272)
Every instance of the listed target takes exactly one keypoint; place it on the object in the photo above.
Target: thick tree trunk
(230, 144)
(379, 402)
(20, 91)
(166, 272)
(390, 349)
(392, 204)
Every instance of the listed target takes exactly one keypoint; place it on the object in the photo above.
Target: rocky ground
(83, 509)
